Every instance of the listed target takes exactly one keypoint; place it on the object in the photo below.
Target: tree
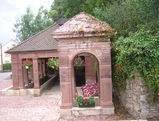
(69, 8)
(125, 16)
(30, 24)
(24, 26)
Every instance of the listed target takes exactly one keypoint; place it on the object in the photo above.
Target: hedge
(7, 66)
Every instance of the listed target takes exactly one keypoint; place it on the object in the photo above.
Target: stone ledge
(22, 92)
(76, 111)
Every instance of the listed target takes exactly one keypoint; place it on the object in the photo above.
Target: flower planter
(87, 106)
(85, 101)
(53, 63)
(27, 67)
(27, 64)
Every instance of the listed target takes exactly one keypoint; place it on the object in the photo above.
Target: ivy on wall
(138, 53)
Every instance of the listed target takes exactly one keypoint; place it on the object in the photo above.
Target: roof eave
(10, 52)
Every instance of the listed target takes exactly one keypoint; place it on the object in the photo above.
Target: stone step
(76, 111)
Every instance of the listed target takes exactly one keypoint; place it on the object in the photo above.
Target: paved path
(29, 108)
(4, 76)
(5, 80)
(43, 108)
(6, 84)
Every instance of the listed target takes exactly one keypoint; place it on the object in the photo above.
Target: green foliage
(139, 53)
(69, 8)
(125, 16)
(30, 24)
(85, 101)
(53, 63)
(7, 66)
(78, 62)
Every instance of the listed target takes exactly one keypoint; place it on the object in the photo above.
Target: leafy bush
(7, 66)
(138, 53)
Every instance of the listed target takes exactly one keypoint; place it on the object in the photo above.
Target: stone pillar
(20, 74)
(40, 68)
(106, 81)
(36, 73)
(65, 83)
(17, 72)
(14, 58)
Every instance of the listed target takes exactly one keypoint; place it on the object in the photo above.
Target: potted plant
(53, 63)
(78, 62)
(85, 101)
(27, 63)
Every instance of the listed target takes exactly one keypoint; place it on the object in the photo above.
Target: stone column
(14, 58)
(106, 81)
(65, 83)
(36, 73)
(20, 74)
(40, 68)
(17, 72)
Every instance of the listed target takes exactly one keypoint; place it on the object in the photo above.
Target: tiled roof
(83, 23)
(40, 41)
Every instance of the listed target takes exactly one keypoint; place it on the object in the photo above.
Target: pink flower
(86, 99)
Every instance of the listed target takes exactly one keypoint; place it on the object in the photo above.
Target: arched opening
(86, 76)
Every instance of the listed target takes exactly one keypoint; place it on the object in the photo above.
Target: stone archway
(67, 75)
(77, 36)
(90, 62)
(85, 66)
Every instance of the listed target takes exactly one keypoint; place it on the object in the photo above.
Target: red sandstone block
(105, 71)
(63, 60)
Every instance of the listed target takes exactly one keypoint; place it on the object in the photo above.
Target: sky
(11, 10)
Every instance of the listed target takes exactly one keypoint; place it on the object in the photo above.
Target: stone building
(8, 45)
(83, 37)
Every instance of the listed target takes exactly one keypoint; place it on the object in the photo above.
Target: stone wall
(135, 99)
